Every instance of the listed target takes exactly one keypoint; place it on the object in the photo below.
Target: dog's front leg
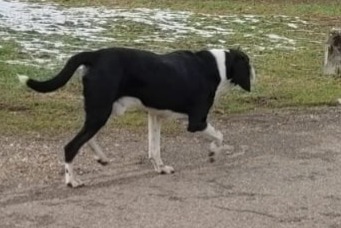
(216, 145)
(154, 134)
(70, 178)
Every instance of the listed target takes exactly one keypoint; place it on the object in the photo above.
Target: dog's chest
(222, 88)
(124, 103)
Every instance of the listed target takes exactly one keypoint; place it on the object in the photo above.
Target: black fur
(181, 81)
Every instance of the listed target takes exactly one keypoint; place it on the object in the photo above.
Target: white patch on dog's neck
(220, 57)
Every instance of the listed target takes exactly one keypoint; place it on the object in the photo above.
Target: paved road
(284, 171)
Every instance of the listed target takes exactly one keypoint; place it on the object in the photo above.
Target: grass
(269, 7)
(286, 78)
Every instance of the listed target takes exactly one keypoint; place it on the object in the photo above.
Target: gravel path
(284, 172)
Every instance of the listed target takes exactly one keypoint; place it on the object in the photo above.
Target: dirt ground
(284, 171)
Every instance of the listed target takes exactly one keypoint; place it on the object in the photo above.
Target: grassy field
(308, 8)
(284, 38)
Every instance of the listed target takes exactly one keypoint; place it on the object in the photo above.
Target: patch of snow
(292, 25)
(55, 31)
(260, 48)
(238, 20)
(249, 35)
(301, 21)
(277, 38)
(19, 62)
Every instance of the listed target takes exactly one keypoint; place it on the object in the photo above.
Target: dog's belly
(123, 103)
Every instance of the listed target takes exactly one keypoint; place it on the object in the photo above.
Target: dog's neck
(220, 56)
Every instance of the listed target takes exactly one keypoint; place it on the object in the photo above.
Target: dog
(180, 84)
(332, 53)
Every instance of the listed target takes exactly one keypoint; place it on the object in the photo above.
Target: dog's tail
(83, 58)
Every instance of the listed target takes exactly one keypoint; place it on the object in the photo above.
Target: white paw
(74, 183)
(214, 148)
(165, 169)
(70, 179)
(220, 137)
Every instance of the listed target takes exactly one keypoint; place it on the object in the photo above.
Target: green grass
(269, 7)
(284, 78)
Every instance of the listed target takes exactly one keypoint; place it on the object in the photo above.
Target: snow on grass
(292, 25)
(277, 38)
(49, 32)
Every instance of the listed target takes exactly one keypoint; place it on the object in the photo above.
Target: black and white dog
(181, 83)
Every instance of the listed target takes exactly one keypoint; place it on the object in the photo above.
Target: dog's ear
(238, 69)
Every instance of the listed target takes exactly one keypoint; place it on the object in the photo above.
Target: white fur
(124, 103)
(83, 70)
(212, 133)
(154, 154)
(99, 154)
(217, 138)
(23, 79)
(70, 178)
(121, 105)
(219, 56)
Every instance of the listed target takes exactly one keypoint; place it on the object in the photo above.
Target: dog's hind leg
(118, 109)
(96, 117)
(100, 156)
(154, 134)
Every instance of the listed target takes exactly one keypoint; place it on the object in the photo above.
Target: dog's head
(239, 69)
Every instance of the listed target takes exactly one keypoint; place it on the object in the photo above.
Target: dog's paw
(165, 169)
(220, 137)
(215, 149)
(74, 184)
(102, 161)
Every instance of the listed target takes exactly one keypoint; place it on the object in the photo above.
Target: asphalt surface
(283, 170)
